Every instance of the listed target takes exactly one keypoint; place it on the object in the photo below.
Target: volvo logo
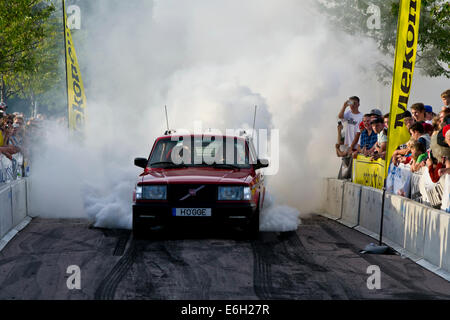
(192, 193)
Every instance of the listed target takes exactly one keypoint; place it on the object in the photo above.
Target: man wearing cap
(379, 148)
(352, 118)
(429, 114)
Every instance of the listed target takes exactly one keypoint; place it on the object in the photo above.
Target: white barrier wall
(421, 232)
(394, 219)
(13, 195)
(5, 210)
(436, 248)
(370, 209)
(350, 204)
(333, 205)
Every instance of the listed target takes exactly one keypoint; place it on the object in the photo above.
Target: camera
(339, 122)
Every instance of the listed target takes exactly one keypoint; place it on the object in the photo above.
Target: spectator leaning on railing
(418, 133)
(419, 155)
(379, 148)
(367, 138)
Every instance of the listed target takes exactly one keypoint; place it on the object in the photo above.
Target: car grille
(176, 192)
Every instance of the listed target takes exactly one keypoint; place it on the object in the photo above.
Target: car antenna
(168, 131)
(254, 121)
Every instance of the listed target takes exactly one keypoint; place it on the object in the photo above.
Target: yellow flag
(405, 58)
(75, 90)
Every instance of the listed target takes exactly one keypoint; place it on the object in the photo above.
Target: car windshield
(219, 152)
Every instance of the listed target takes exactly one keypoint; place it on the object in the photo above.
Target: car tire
(252, 229)
(138, 229)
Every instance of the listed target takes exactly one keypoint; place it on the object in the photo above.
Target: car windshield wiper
(169, 163)
(225, 165)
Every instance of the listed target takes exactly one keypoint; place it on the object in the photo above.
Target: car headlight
(155, 192)
(234, 193)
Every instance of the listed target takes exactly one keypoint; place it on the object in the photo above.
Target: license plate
(191, 212)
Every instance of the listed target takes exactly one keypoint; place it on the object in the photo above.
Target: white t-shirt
(352, 120)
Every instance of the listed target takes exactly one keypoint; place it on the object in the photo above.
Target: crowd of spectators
(17, 133)
(367, 134)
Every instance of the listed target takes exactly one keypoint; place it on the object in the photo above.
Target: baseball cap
(376, 112)
(428, 108)
(377, 120)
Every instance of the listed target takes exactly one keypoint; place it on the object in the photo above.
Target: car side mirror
(141, 162)
(261, 163)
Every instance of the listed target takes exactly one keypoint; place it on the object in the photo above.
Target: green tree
(22, 28)
(44, 73)
(433, 54)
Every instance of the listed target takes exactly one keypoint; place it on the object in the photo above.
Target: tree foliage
(22, 30)
(433, 54)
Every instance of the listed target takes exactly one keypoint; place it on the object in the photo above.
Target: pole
(65, 60)
(382, 213)
(167, 118)
(254, 121)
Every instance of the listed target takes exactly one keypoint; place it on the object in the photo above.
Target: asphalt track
(321, 260)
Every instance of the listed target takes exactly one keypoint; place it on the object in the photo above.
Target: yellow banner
(405, 58)
(368, 173)
(75, 90)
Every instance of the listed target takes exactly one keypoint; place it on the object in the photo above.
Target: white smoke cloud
(208, 61)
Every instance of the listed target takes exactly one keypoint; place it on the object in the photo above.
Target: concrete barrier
(370, 210)
(6, 219)
(19, 201)
(436, 247)
(394, 219)
(416, 216)
(335, 191)
(350, 204)
(417, 231)
(13, 209)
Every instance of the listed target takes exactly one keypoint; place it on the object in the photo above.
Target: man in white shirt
(352, 118)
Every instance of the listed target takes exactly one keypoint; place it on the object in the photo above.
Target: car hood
(196, 175)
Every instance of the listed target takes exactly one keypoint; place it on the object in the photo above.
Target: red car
(199, 179)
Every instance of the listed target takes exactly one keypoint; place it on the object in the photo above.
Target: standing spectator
(352, 118)
(418, 112)
(379, 148)
(445, 96)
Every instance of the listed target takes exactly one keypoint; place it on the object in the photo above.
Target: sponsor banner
(76, 97)
(368, 173)
(405, 58)
(399, 180)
